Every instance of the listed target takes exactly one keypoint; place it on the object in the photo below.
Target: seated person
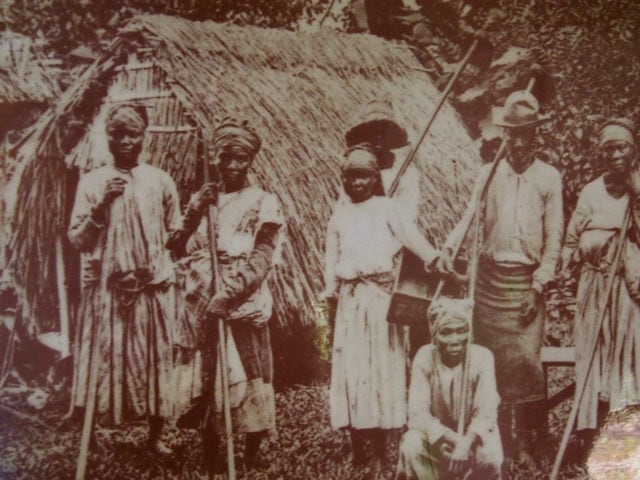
(432, 448)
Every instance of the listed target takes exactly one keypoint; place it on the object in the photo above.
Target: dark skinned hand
(115, 188)
(207, 195)
(459, 461)
(529, 306)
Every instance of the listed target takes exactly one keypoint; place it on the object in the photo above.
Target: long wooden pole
(473, 266)
(90, 403)
(582, 381)
(443, 98)
(62, 298)
(212, 214)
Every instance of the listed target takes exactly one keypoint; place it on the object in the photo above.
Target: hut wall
(172, 138)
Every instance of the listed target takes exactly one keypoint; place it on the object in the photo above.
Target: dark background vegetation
(591, 49)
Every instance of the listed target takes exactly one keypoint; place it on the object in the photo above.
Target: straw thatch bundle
(300, 91)
(23, 77)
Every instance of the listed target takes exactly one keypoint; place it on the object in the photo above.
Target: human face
(617, 157)
(234, 165)
(451, 341)
(519, 141)
(125, 144)
(359, 184)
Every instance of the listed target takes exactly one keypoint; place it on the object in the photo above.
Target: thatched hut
(301, 91)
(26, 79)
(28, 86)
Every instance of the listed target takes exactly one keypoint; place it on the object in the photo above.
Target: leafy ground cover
(305, 448)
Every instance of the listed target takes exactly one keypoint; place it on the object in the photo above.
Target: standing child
(365, 235)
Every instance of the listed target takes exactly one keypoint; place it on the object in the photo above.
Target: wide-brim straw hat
(521, 109)
(377, 126)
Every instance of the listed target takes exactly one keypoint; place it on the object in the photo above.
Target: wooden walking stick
(216, 281)
(473, 266)
(477, 41)
(538, 76)
(90, 403)
(407, 308)
(582, 381)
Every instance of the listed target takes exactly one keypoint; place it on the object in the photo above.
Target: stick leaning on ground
(443, 97)
(90, 404)
(212, 214)
(582, 381)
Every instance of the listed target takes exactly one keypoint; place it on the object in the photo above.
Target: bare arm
(409, 235)
(88, 219)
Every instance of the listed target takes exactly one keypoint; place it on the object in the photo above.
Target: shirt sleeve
(407, 232)
(271, 213)
(553, 229)
(484, 415)
(86, 221)
(576, 226)
(240, 286)
(408, 195)
(419, 407)
(171, 205)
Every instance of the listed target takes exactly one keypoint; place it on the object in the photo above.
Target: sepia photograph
(320, 239)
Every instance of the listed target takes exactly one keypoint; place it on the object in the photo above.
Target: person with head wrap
(519, 244)
(364, 238)
(249, 229)
(120, 222)
(377, 127)
(591, 242)
(432, 448)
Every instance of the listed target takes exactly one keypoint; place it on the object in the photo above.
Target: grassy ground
(305, 448)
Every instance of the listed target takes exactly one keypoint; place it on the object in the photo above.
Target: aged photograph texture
(320, 239)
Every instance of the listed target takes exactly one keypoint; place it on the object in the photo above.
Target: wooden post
(63, 301)
(90, 403)
(216, 281)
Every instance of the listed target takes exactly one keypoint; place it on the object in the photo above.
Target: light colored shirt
(363, 238)
(597, 217)
(241, 214)
(408, 192)
(522, 218)
(136, 226)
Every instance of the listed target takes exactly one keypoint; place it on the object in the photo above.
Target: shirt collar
(510, 172)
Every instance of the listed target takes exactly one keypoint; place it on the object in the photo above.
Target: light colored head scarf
(449, 311)
(127, 116)
(360, 157)
(232, 133)
(617, 129)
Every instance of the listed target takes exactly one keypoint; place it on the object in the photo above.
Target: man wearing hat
(378, 128)
(522, 224)
(433, 448)
(121, 219)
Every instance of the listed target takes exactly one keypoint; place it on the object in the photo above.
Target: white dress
(368, 377)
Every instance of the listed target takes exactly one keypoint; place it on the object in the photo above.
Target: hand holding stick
(582, 381)
(212, 213)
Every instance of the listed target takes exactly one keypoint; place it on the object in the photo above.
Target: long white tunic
(128, 299)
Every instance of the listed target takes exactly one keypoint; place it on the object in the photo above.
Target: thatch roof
(300, 91)
(23, 76)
